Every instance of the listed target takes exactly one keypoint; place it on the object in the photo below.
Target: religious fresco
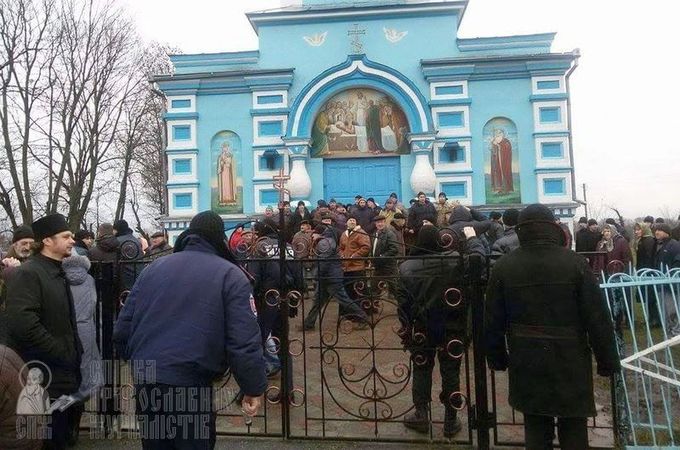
(501, 162)
(360, 123)
(226, 184)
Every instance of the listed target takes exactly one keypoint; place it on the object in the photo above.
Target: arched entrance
(357, 121)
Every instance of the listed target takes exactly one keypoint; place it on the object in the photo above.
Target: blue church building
(369, 98)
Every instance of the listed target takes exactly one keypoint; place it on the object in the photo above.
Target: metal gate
(345, 383)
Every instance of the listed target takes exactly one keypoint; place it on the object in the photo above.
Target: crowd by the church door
(209, 306)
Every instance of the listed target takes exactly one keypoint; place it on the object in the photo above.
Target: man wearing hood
(191, 316)
(364, 216)
(84, 295)
(41, 318)
(106, 245)
(544, 300)
(429, 324)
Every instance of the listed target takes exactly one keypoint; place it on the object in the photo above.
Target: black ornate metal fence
(343, 378)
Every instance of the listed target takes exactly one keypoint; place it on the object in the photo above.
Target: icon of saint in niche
(225, 176)
(33, 398)
(501, 163)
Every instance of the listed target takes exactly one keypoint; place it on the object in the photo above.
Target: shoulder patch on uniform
(252, 305)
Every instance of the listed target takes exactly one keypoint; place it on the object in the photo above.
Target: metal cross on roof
(280, 184)
(355, 33)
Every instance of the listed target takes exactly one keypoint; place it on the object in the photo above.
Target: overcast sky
(625, 92)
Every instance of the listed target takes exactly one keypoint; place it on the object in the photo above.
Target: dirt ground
(355, 384)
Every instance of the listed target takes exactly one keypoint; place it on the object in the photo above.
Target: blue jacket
(192, 315)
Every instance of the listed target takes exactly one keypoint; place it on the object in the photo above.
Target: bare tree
(24, 39)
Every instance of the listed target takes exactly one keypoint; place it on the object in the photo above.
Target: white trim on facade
(182, 212)
(191, 177)
(190, 109)
(435, 85)
(257, 188)
(546, 163)
(181, 144)
(536, 91)
(359, 65)
(552, 198)
(268, 140)
(452, 131)
(282, 104)
(259, 174)
(562, 125)
(467, 200)
(455, 166)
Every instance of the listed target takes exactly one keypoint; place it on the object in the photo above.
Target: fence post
(284, 354)
(482, 420)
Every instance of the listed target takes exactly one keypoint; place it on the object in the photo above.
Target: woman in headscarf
(616, 247)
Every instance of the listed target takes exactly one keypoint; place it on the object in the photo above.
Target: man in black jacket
(434, 317)
(420, 212)
(41, 317)
(545, 300)
(588, 238)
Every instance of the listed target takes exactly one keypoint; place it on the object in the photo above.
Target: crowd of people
(340, 252)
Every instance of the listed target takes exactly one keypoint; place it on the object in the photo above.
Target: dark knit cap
(510, 217)
(495, 215)
(83, 234)
(370, 199)
(121, 226)
(649, 219)
(22, 232)
(592, 222)
(321, 203)
(49, 226)
(610, 221)
(209, 226)
(659, 220)
(535, 213)
(663, 227)
(583, 220)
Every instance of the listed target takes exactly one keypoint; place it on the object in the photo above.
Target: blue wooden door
(370, 177)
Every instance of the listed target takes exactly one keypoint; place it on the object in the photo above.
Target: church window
(182, 201)
(181, 166)
(456, 189)
(269, 197)
(451, 119)
(554, 186)
(549, 114)
(456, 89)
(180, 104)
(552, 150)
(548, 84)
(181, 132)
(269, 99)
(270, 128)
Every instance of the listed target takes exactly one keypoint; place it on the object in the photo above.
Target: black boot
(452, 424)
(418, 420)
